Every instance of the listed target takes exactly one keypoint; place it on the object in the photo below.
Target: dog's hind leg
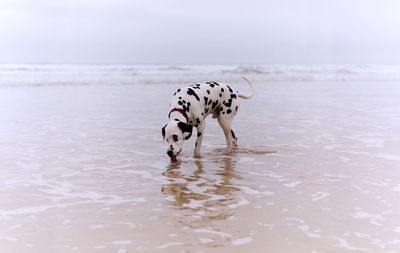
(225, 124)
(234, 138)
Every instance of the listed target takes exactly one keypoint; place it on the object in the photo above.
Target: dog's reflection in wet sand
(207, 193)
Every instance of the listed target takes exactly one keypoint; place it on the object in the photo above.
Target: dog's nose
(170, 153)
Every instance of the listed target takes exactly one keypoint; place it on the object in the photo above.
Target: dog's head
(175, 132)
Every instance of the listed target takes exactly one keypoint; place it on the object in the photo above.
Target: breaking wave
(36, 75)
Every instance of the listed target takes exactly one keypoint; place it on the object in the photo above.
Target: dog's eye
(175, 138)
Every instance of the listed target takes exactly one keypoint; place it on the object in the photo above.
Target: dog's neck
(179, 114)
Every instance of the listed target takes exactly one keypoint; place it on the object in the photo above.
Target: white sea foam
(211, 231)
(122, 242)
(31, 210)
(8, 238)
(170, 244)
(242, 202)
(98, 226)
(242, 241)
(396, 188)
(361, 235)
(394, 157)
(374, 219)
(38, 75)
(251, 191)
(206, 240)
(363, 215)
(292, 184)
(305, 229)
(319, 196)
(344, 244)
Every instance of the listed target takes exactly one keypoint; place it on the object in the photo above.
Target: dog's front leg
(200, 135)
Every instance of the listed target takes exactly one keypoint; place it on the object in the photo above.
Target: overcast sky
(200, 32)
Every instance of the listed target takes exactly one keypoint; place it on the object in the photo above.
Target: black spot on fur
(212, 85)
(205, 100)
(214, 104)
(198, 134)
(208, 91)
(222, 89)
(229, 104)
(220, 94)
(230, 89)
(233, 96)
(186, 129)
(179, 90)
(233, 135)
(192, 93)
(228, 111)
(180, 102)
(163, 131)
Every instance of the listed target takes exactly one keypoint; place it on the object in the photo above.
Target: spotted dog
(191, 105)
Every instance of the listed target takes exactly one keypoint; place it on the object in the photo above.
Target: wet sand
(84, 169)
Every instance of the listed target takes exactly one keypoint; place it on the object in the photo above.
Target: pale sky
(200, 32)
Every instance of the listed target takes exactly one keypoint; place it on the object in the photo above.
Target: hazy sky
(200, 32)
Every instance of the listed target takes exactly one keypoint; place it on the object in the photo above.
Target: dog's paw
(174, 159)
(196, 154)
(234, 143)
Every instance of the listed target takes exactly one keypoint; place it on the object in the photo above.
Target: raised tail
(247, 96)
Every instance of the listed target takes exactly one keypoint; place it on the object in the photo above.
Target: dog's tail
(247, 96)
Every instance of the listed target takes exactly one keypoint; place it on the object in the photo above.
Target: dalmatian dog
(191, 105)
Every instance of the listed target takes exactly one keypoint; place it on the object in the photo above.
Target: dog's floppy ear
(186, 130)
(163, 132)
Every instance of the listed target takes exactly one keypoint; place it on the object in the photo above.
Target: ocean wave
(246, 70)
(42, 75)
(173, 68)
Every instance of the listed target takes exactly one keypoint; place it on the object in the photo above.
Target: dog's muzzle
(170, 152)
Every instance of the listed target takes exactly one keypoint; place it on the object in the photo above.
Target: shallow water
(83, 169)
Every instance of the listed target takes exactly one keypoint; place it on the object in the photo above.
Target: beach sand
(84, 169)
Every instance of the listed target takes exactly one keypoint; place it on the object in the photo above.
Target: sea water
(83, 166)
